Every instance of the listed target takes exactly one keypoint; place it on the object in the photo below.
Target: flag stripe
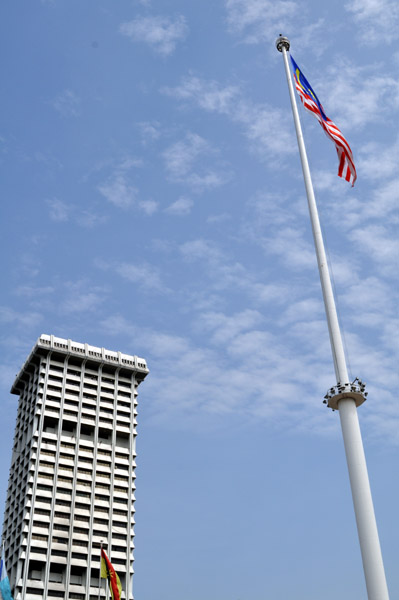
(346, 166)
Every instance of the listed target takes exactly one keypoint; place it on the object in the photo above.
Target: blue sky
(153, 203)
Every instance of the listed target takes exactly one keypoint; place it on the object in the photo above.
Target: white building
(72, 480)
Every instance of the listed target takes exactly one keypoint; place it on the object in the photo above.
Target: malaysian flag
(346, 167)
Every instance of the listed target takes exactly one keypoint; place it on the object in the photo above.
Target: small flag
(5, 588)
(346, 167)
(108, 572)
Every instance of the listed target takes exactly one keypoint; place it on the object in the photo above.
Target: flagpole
(345, 396)
(99, 572)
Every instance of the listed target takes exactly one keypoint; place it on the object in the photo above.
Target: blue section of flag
(307, 88)
(5, 588)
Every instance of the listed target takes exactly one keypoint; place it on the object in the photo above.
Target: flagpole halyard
(345, 396)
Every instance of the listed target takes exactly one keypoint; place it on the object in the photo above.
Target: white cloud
(181, 207)
(201, 249)
(119, 191)
(373, 95)
(128, 163)
(378, 161)
(149, 207)
(118, 188)
(209, 95)
(145, 275)
(381, 246)
(258, 372)
(304, 310)
(224, 274)
(89, 219)
(180, 157)
(150, 131)
(223, 328)
(31, 291)
(160, 33)
(59, 211)
(20, 319)
(370, 296)
(260, 20)
(220, 218)
(184, 162)
(270, 293)
(384, 203)
(294, 249)
(265, 126)
(67, 103)
(82, 297)
(378, 20)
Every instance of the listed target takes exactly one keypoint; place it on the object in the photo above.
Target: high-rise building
(72, 477)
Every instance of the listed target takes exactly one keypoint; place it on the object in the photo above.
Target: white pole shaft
(363, 503)
(361, 494)
(337, 347)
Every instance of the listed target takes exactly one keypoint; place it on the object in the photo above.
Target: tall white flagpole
(345, 396)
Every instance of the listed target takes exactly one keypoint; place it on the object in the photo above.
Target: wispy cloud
(264, 126)
(181, 207)
(150, 131)
(144, 275)
(19, 318)
(224, 274)
(120, 190)
(199, 378)
(180, 157)
(373, 94)
(201, 249)
(259, 20)
(58, 210)
(67, 103)
(370, 296)
(378, 161)
(161, 33)
(149, 207)
(378, 20)
(61, 212)
(223, 328)
(184, 161)
(277, 226)
(207, 94)
(83, 302)
(34, 291)
(381, 246)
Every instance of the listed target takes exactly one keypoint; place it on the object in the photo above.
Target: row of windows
(86, 375)
(83, 472)
(72, 446)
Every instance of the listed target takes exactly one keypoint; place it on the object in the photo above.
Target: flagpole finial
(282, 42)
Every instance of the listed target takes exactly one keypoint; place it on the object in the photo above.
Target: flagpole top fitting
(282, 42)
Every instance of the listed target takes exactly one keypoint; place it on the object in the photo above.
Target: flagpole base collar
(282, 42)
(354, 390)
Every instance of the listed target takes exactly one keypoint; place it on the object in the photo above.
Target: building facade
(72, 477)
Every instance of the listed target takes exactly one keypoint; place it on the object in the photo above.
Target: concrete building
(72, 476)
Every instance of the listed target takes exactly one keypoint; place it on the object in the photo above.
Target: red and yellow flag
(108, 572)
